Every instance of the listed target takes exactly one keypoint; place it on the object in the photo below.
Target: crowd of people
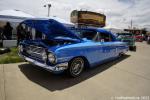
(23, 32)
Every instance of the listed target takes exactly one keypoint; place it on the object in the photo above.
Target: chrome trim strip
(58, 67)
(35, 51)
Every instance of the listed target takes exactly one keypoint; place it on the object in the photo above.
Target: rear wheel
(76, 67)
(121, 54)
(133, 48)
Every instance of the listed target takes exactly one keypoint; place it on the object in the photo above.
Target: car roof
(101, 30)
(96, 29)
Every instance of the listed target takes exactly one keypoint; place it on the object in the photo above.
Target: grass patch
(11, 57)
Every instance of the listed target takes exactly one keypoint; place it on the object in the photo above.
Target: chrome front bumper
(57, 68)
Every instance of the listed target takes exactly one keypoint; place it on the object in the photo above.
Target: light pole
(131, 23)
(49, 6)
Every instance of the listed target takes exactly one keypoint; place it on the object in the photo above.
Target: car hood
(51, 28)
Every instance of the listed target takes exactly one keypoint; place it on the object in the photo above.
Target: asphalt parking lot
(128, 76)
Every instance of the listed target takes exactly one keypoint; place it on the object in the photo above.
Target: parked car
(128, 38)
(69, 50)
(139, 38)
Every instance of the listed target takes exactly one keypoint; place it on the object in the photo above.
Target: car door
(108, 46)
(95, 52)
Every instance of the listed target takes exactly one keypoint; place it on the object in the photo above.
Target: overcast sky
(118, 12)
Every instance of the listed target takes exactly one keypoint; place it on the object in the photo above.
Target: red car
(139, 38)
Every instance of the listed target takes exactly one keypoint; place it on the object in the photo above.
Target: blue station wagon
(69, 49)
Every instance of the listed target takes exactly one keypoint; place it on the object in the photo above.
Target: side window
(105, 37)
(90, 34)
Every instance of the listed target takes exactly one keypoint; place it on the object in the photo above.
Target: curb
(2, 83)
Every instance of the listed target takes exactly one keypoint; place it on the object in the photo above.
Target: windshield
(85, 34)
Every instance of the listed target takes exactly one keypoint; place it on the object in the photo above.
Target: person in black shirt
(20, 33)
(1, 31)
(7, 31)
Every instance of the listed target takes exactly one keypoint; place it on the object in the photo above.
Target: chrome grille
(35, 51)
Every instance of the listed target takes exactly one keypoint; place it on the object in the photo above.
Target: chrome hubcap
(77, 66)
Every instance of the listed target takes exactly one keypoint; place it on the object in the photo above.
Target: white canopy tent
(14, 16)
(19, 16)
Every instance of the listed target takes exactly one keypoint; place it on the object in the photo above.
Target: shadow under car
(55, 82)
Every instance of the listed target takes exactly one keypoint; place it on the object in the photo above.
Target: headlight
(20, 48)
(52, 58)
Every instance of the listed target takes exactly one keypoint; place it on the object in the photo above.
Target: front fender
(65, 55)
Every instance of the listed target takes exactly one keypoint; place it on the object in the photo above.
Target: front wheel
(76, 67)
